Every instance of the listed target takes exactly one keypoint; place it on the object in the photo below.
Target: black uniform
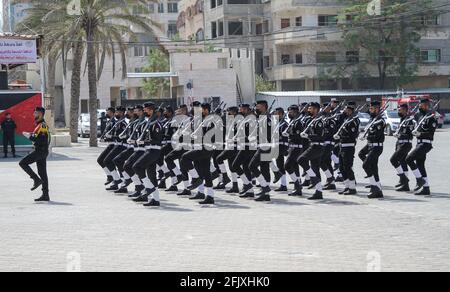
(284, 148)
(120, 144)
(138, 152)
(403, 147)
(371, 153)
(41, 141)
(348, 135)
(427, 125)
(295, 150)
(330, 128)
(101, 158)
(9, 129)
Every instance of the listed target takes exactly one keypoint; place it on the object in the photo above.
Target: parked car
(364, 119)
(392, 122)
(447, 118)
(84, 126)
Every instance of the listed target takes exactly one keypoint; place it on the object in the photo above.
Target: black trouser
(40, 158)
(101, 158)
(176, 154)
(241, 163)
(120, 159)
(291, 164)
(229, 155)
(311, 159)
(259, 167)
(400, 154)
(128, 166)
(370, 161)
(347, 159)
(216, 154)
(9, 140)
(280, 161)
(109, 159)
(201, 161)
(146, 165)
(326, 158)
(417, 158)
(165, 150)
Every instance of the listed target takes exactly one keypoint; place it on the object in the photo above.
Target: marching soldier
(41, 141)
(310, 160)
(278, 163)
(145, 166)
(347, 136)
(330, 128)
(374, 148)
(424, 132)
(403, 147)
(110, 112)
(168, 131)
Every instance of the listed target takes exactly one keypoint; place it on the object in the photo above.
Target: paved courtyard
(86, 228)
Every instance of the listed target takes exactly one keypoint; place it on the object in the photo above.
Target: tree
(263, 85)
(101, 28)
(157, 61)
(386, 42)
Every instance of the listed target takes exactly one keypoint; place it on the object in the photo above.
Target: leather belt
(424, 141)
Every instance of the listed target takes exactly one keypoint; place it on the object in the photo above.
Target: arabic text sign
(17, 51)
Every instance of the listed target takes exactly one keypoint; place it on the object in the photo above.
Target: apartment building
(294, 41)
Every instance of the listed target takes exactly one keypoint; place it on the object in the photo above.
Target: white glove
(416, 133)
(304, 135)
(337, 137)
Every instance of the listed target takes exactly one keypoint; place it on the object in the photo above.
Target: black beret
(111, 109)
(294, 108)
(262, 102)
(130, 109)
(169, 109)
(196, 104)
(40, 110)
(425, 100)
(121, 109)
(233, 109)
(334, 100)
(375, 103)
(314, 104)
(279, 109)
(182, 106)
(206, 106)
(404, 106)
(139, 107)
(304, 104)
(245, 105)
(351, 105)
(150, 105)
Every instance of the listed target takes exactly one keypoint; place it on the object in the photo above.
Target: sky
(1, 15)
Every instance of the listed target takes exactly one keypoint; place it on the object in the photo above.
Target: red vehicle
(411, 100)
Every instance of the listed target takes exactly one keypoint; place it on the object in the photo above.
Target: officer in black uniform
(200, 157)
(9, 129)
(145, 166)
(278, 164)
(138, 151)
(373, 150)
(403, 147)
(168, 131)
(41, 141)
(424, 132)
(120, 160)
(246, 146)
(230, 152)
(347, 136)
(110, 112)
(330, 128)
(119, 147)
(293, 132)
(311, 159)
(259, 167)
(306, 120)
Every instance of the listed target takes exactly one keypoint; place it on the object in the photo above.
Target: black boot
(114, 186)
(420, 184)
(350, 192)
(44, 198)
(425, 192)
(263, 198)
(225, 179)
(339, 179)
(138, 192)
(264, 191)
(245, 189)
(186, 193)
(172, 189)
(306, 183)
(330, 187)
(127, 183)
(234, 189)
(208, 201)
(162, 184)
(196, 182)
(375, 193)
(281, 189)
(122, 190)
(404, 188)
(142, 198)
(298, 190)
(344, 191)
(109, 180)
(198, 196)
(317, 196)
(152, 203)
(37, 184)
(278, 176)
(220, 186)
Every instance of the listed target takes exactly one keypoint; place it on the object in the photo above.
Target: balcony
(292, 71)
(297, 35)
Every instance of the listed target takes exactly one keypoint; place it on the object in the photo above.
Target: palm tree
(101, 28)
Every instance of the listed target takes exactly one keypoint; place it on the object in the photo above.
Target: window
(161, 8)
(172, 7)
(328, 20)
(352, 57)
(431, 20)
(139, 51)
(172, 30)
(259, 29)
(213, 30)
(299, 59)
(235, 28)
(430, 56)
(285, 23)
(266, 61)
(285, 59)
(220, 29)
(325, 57)
(299, 21)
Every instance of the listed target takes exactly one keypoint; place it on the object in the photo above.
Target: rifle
(432, 114)
(366, 131)
(271, 106)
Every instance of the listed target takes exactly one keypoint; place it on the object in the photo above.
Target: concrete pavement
(86, 228)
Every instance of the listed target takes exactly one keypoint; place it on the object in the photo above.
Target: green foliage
(157, 62)
(263, 85)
